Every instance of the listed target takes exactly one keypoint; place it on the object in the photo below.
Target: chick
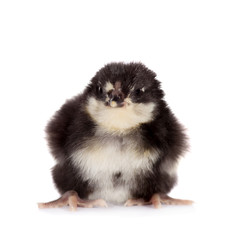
(117, 142)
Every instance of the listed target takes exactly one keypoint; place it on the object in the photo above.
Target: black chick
(118, 141)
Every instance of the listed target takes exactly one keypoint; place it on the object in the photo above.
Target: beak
(116, 100)
(117, 96)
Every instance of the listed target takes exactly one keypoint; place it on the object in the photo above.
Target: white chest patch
(111, 163)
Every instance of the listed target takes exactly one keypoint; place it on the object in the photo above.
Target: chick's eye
(139, 91)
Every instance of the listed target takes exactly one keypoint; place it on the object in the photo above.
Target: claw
(40, 205)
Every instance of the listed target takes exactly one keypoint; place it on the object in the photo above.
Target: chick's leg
(71, 198)
(157, 200)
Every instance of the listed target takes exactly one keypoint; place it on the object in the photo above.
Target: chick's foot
(71, 199)
(157, 200)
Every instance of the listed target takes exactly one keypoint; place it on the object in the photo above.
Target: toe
(165, 199)
(156, 201)
(128, 203)
(135, 202)
(100, 203)
(41, 205)
(72, 201)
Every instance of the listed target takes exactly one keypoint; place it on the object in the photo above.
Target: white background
(49, 50)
